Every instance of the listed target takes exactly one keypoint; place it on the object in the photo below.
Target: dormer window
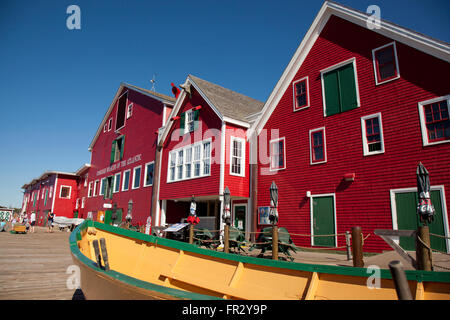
(385, 63)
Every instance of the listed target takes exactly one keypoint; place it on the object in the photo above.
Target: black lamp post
(226, 206)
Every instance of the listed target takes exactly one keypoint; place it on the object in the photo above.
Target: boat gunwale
(76, 233)
(412, 275)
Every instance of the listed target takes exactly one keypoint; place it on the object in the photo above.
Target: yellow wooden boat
(149, 267)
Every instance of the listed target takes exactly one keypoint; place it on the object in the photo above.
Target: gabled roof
(83, 168)
(433, 47)
(229, 103)
(47, 174)
(230, 106)
(152, 94)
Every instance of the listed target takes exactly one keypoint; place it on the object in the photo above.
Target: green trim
(76, 234)
(413, 275)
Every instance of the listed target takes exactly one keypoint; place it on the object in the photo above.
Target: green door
(323, 221)
(239, 217)
(407, 219)
(109, 220)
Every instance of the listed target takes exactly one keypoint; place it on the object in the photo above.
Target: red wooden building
(352, 115)
(123, 154)
(53, 191)
(204, 149)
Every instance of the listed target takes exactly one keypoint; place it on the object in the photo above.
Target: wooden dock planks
(33, 266)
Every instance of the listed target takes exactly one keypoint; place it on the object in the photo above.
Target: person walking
(32, 221)
(50, 217)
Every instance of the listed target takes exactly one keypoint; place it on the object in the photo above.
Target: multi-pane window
(136, 177)
(237, 157)
(317, 145)
(206, 158)
(385, 63)
(90, 189)
(102, 187)
(435, 120)
(301, 99)
(116, 182)
(95, 188)
(126, 180)
(65, 192)
(339, 88)
(197, 163)
(83, 202)
(129, 110)
(372, 132)
(190, 162)
(277, 154)
(148, 174)
(117, 149)
(190, 121)
(172, 162)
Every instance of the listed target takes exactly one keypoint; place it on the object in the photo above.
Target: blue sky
(56, 84)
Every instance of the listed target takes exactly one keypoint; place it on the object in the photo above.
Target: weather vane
(153, 81)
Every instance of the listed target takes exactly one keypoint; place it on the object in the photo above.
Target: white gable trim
(415, 40)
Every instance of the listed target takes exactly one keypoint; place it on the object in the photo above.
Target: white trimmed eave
(179, 103)
(415, 40)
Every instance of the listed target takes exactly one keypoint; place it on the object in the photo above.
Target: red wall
(202, 186)
(140, 139)
(65, 207)
(366, 201)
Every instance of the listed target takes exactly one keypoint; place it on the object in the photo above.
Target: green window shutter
(113, 151)
(123, 147)
(182, 123)
(196, 117)
(45, 200)
(347, 86)
(331, 87)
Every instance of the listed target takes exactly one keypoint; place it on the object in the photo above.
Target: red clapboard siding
(366, 201)
(140, 139)
(209, 127)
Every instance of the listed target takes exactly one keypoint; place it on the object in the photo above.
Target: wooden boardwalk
(33, 266)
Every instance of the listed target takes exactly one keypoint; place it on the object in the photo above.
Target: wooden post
(399, 277)
(226, 241)
(275, 243)
(348, 243)
(423, 254)
(191, 233)
(357, 249)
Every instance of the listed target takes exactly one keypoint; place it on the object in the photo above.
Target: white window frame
(102, 182)
(60, 191)
(271, 155)
(188, 113)
(334, 67)
(90, 189)
(134, 177)
(96, 184)
(375, 70)
(190, 162)
(145, 174)
(83, 202)
(295, 108)
(129, 180)
(242, 157)
(110, 124)
(126, 110)
(324, 146)
(175, 153)
(51, 192)
(129, 110)
(77, 203)
(116, 183)
(105, 127)
(366, 151)
(423, 125)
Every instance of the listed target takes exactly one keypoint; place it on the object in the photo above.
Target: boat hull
(148, 267)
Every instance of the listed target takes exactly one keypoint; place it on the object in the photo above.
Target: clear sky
(56, 84)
